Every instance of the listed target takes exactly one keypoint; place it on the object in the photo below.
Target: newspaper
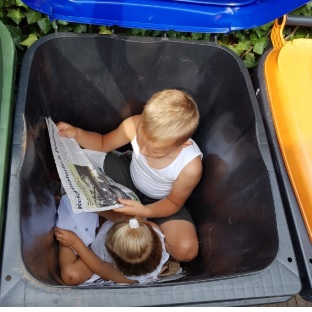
(81, 172)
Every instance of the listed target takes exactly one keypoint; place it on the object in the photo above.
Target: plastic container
(213, 16)
(246, 255)
(7, 79)
(284, 80)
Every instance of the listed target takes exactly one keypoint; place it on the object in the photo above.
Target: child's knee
(70, 276)
(185, 251)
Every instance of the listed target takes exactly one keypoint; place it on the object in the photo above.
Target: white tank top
(84, 225)
(157, 183)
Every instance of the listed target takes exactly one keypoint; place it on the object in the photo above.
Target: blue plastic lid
(213, 16)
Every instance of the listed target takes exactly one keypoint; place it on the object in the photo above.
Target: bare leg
(181, 239)
(73, 269)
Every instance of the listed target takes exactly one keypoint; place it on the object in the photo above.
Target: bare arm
(104, 269)
(98, 142)
(181, 190)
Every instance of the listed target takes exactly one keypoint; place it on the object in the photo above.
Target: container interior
(95, 82)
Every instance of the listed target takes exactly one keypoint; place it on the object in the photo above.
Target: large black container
(92, 81)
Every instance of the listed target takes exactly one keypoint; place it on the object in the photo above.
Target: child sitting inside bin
(128, 251)
(165, 166)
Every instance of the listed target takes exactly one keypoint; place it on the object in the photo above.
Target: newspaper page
(87, 186)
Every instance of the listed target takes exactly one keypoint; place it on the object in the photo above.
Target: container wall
(95, 82)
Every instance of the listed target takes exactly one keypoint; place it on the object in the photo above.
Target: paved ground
(295, 301)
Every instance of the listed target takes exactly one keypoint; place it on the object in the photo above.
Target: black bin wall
(95, 82)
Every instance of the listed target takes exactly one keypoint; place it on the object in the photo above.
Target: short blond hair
(134, 250)
(171, 116)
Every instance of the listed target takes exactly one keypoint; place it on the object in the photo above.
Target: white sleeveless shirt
(84, 225)
(157, 183)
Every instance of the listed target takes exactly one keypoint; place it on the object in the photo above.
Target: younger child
(165, 167)
(125, 252)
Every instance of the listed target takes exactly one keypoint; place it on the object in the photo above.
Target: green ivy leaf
(156, 33)
(45, 25)
(80, 28)
(267, 27)
(32, 16)
(196, 36)
(8, 3)
(136, 31)
(254, 38)
(146, 33)
(171, 34)
(16, 15)
(223, 39)
(142, 32)
(300, 33)
(206, 36)
(301, 11)
(250, 60)
(30, 40)
(60, 22)
(240, 35)
(260, 32)
(19, 3)
(54, 25)
(104, 31)
(240, 47)
(260, 45)
(179, 34)
(16, 34)
(65, 28)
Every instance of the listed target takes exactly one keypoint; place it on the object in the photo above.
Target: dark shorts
(118, 168)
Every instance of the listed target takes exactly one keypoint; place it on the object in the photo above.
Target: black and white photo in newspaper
(87, 186)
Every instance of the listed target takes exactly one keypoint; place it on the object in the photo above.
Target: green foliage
(30, 40)
(248, 44)
(26, 26)
(16, 15)
(104, 30)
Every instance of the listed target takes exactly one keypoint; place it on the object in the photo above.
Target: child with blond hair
(165, 167)
(129, 251)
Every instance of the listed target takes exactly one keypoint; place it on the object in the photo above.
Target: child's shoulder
(129, 126)
(135, 119)
(132, 121)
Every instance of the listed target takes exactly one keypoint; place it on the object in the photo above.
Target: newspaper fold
(81, 172)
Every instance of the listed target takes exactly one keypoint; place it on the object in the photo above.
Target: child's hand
(65, 237)
(67, 130)
(132, 208)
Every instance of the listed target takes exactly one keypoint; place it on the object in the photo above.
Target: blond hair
(169, 116)
(134, 250)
